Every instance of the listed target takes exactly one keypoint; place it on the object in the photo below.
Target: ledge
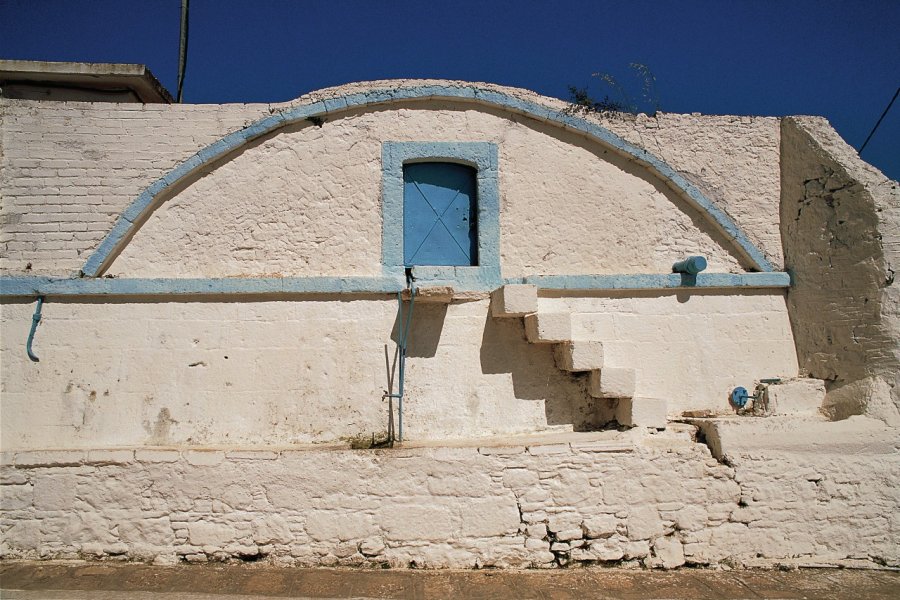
(30, 287)
(775, 279)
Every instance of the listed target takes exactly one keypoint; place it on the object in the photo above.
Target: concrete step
(641, 412)
(548, 328)
(612, 382)
(579, 356)
(514, 300)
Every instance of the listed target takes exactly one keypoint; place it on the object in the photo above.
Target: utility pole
(183, 47)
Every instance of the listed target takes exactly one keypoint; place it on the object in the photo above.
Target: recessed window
(440, 215)
(441, 211)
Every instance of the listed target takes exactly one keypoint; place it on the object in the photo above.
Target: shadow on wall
(535, 376)
(425, 328)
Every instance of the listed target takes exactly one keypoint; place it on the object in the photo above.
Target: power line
(880, 119)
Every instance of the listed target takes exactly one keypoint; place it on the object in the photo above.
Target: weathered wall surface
(578, 503)
(307, 201)
(271, 373)
(70, 168)
(732, 159)
(285, 372)
(690, 349)
(841, 232)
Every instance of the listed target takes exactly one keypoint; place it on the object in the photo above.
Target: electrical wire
(880, 119)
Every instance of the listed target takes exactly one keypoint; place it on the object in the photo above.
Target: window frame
(483, 157)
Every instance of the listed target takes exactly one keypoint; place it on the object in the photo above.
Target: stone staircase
(614, 383)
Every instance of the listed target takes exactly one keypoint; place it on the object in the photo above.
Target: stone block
(543, 449)
(204, 458)
(641, 412)
(50, 458)
(644, 523)
(564, 521)
(538, 530)
(501, 450)
(601, 526)
(251, 455)
(272, 529)
(12, 476)
(612, 382)
(204, 533)
(669, 552)
(638, 549)
(152, 532)
(151, 455)
(55, 492)
(515, 300)
(489, 517)
(109, 457)
(536, 544)
(793, 397)
(548, 328)
(15, 497)
(405, 522)
(569, 534)
(579, 355)
(371, 547)
(333, 525)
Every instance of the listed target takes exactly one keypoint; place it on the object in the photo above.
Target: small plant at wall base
(581, 100)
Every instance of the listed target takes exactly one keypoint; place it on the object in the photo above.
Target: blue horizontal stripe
(53, 286)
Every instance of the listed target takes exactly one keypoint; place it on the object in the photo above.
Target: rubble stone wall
(537, 506)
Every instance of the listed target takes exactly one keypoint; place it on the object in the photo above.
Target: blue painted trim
(463, 279)
(131, 218)
(772, 279)
(481, 155)
(49, 286)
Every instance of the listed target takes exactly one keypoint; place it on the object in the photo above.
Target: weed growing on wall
(646, 101)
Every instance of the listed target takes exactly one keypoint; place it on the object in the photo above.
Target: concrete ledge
(659, 282)
(433, 294)
(388, 284)
(792, 397)
(732, 437)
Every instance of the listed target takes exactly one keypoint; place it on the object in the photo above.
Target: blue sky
(838, 59)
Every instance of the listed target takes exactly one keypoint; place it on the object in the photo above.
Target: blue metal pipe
(691, 265)
(402, 344)
(35, 319)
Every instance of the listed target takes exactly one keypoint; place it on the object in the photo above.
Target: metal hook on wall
(35, 319)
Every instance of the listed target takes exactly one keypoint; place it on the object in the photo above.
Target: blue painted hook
(35, 319)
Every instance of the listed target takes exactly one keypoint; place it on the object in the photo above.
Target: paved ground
(108, 581)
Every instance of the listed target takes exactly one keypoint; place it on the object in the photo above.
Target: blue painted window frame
(483, 156)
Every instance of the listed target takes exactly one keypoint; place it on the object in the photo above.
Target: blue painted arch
(129, 221)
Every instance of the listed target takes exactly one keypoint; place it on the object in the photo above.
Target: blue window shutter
(439, 215)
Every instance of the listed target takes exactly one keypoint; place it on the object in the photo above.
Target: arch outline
(129, 221)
